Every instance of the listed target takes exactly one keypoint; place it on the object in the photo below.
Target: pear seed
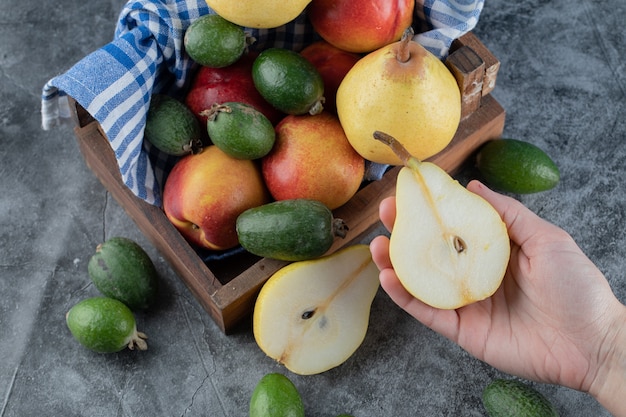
(308, 314)
(459, 244)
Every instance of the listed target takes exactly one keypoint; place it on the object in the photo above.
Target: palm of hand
(542, 322)
(536, 315)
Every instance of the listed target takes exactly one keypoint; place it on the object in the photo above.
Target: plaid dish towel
(115, 83)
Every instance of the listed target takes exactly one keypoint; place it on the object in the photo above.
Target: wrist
(609, 385)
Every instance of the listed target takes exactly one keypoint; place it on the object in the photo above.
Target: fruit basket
(227, 288)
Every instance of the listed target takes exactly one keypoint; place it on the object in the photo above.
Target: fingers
(442, 321)
(391, 284)
(396, 291)
(379, 247)
(521, 223)
(387, 212)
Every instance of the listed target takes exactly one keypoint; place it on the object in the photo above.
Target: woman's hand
(554, 319)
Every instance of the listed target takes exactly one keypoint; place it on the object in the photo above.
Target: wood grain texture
(469, 70)
(492, 64)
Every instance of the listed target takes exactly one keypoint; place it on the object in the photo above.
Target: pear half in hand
(312, 315)
(448, 246)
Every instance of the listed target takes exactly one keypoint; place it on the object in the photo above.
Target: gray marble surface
(563, 86)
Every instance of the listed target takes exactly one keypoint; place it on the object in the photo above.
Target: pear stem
(404, 53)
(397, 148)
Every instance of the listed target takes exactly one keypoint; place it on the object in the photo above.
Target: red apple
(206, 192)
(232, 83)
(333, 64)
(313, 159)
(361, 25)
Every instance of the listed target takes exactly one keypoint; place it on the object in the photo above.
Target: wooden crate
(227, 289)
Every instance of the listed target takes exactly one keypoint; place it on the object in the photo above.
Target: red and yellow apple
(206, 192)
(229, 84)
(333, 64)
(361, 25)
(313, 159)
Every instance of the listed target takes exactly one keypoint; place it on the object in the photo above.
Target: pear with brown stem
(405, 91)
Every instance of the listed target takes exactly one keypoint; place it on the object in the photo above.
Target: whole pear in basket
(260, 14)
(448, 246)
(405, 91)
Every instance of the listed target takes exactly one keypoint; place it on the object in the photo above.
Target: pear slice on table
(312, 315)
(448, 246)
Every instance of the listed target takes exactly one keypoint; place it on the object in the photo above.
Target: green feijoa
(508, 398)
(516, 166)
(171, 126)
(214, 42)
(121, 269)
(276, 396)
(240, 130)
(289, 230)
(288, 81)
(104, 325)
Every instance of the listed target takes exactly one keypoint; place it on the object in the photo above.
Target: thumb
(522, 223)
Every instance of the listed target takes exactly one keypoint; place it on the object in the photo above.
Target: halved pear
(448, 246)
(313, 315)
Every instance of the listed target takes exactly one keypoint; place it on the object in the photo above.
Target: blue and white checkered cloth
(146, 56)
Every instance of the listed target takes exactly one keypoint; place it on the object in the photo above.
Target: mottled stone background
(562, 84)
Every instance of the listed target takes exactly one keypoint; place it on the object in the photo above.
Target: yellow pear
(259, 14)
(404, 90)
(448, 246)
(312, 315)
